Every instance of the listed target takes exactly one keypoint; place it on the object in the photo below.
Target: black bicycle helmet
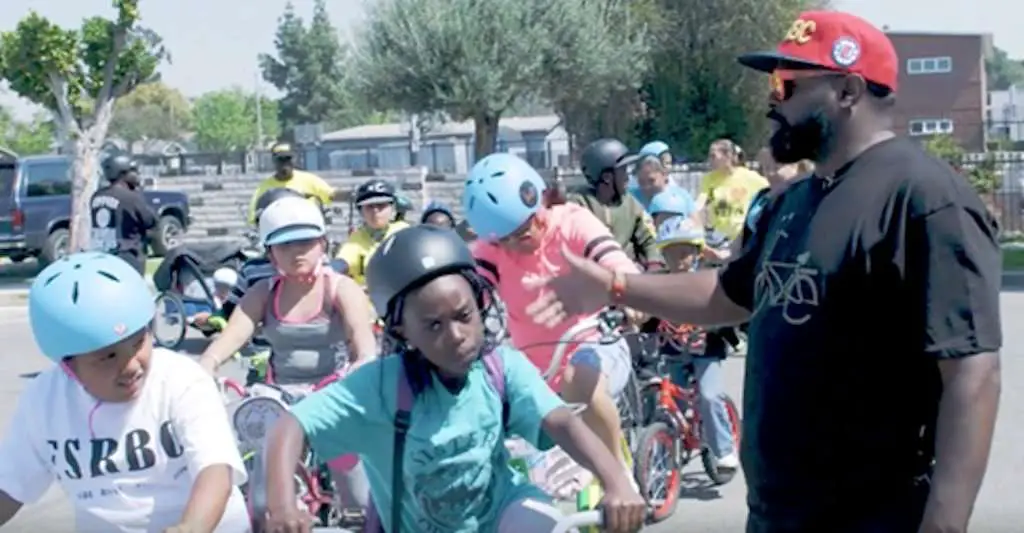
(116, 165)
(410, 258)
(602, 155)
(274, 195)
(375, 191)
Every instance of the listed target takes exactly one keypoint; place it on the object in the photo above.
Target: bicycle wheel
(170, 322)
(657, 469)
(721, 476)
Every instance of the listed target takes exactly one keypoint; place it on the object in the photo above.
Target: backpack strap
(403, 418)
(495, 367)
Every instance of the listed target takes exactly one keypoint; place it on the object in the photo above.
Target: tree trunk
(84, 171)
(485, 135)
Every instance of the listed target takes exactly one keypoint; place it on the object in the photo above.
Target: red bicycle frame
(670, 397)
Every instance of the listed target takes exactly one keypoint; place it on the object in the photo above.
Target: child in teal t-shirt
(455, 471)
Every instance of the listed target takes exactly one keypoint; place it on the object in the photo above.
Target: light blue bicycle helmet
(679, 230)
(654, 149)
(85, 302)
(670, 202)
(502, 192)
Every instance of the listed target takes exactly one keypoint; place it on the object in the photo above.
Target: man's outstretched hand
(583, 289)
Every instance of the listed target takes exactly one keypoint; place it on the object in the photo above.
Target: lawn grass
(1013, 259)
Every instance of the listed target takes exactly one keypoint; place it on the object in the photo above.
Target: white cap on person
(291, 219)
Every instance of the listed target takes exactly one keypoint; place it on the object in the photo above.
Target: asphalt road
(703, 508)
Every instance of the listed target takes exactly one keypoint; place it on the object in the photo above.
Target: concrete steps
(219, 204)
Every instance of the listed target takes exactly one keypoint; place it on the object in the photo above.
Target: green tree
(228, 120)
(695, 91)
(151, 111)
(599, 59)
(983, 175)
(78, 74)
(30, 138)
(468, 59)
(309, 68)
(26, 138)
(1002, 71)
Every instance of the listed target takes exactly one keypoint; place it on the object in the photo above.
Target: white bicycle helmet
(291, 219)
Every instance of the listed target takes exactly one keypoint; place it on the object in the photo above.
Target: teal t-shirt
(457, 477)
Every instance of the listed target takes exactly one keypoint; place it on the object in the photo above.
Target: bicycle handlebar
(581, 519)
(606, 322)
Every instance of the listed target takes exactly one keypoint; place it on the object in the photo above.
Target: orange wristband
(617, 289)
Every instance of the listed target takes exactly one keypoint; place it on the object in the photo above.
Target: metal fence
(442, 157)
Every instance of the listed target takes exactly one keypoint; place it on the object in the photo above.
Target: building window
(929, 65)
(931, 126)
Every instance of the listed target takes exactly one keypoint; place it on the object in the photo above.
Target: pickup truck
(35, 209)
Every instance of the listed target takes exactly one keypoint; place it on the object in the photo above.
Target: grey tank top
(307, 350)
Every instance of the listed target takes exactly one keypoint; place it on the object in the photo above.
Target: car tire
(167, 234)
(55, 247)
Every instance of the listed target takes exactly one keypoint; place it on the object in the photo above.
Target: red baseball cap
(832, 40)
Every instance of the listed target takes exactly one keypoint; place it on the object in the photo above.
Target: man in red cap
(872, 290)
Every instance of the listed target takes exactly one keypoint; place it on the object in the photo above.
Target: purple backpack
(495, 376)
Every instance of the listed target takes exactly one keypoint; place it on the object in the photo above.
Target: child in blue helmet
(652, 174)
(681, 241)
(134, 435)
(658, 149)
(438, 214)
(520, 246)
(670, 203)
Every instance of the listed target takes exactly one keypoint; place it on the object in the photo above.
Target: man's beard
(811, 138)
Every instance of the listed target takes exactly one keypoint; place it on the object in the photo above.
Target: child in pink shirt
(519, 247)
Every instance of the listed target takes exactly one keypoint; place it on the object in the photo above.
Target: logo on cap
(528, 194)
(845, 51)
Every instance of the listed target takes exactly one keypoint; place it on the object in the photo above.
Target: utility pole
(414, 140)
(259, 112)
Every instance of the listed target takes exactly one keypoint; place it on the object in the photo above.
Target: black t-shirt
(857, 286)
(120, 219)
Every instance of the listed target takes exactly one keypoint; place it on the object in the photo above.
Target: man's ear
(854, 88)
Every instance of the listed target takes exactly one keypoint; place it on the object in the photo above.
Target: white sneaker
(730, 462)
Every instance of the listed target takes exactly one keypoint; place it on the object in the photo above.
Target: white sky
(214, 44)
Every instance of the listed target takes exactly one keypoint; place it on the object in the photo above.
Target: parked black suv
(35, 209)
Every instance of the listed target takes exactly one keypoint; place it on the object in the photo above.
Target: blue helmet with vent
(670, 202)
(87, 301)
(502, 192)
(653, 149)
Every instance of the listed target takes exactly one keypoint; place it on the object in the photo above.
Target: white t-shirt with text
(126, 467)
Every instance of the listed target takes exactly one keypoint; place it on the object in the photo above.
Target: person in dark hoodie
(120, 216)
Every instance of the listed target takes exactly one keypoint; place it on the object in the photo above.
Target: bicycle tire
(720, 476)
(659, 433)
(164, 302)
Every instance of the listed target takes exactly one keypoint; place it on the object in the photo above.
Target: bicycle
(263, 403)
(673, 408)
(609, 324)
